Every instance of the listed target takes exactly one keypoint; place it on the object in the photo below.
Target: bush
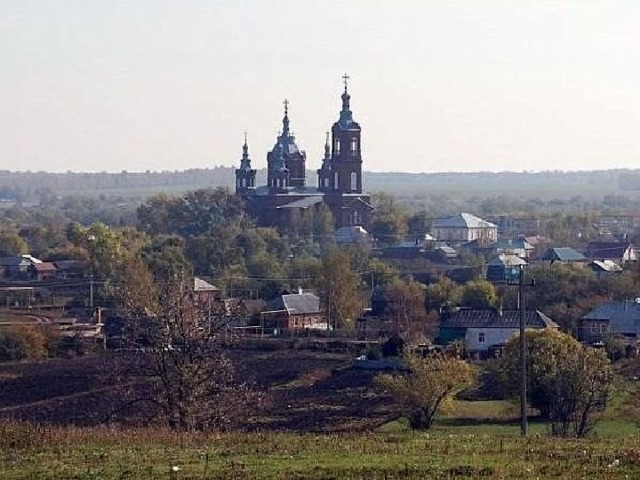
(21, 342)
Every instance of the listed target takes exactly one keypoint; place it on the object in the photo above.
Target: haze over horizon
(450, 86)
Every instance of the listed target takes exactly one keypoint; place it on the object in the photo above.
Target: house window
(594, 328)
(603, 328)
(354, 181)
(481, 337)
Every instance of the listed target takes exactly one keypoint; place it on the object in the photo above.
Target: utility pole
(522, 311)
(523, 356)
(91, 292)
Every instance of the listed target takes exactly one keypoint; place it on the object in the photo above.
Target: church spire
(245, 162)
(285, 119)
(245, 175)
(346, 117)
(326, 160)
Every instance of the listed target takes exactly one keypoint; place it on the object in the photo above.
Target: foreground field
(29, 452)
(322, 421)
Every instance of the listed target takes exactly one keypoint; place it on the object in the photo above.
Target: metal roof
(303, 202)
(495, 319)
(623, 316)
(298, 303)
(563, 254)
(462, 220)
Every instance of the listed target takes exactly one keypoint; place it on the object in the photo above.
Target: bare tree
(173, 363)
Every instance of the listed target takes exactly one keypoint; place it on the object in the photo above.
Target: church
(287, 198)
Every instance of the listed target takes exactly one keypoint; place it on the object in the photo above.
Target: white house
(464, 227)
(483, 329)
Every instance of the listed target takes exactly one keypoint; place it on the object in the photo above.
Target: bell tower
(324, 172)
(346, 154)
(245, 175)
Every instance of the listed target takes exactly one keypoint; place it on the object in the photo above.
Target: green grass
(148, 454)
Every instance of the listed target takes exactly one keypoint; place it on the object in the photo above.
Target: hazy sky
(92, 85)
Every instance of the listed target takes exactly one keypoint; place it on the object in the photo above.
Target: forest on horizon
(31, 186)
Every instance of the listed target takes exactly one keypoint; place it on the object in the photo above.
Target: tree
(478, 295)
(442, 294)
(427, 387)
(19, 342)
(12, 244)
(567, 381)
(389, 220)
(339, 289)
(179, 373)
(406, 308)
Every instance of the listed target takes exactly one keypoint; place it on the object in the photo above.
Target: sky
(137, 85)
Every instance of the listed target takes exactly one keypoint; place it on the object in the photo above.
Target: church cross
(286, 105)
(345, 77)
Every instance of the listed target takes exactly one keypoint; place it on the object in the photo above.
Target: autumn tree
(406, 309)
(339, 287)
(427, 387)
(568, 382)
(177, 373)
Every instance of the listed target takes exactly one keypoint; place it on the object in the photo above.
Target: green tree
(12, 244)
(427, 387)
(478, 295)
(442, 294)
(389, 219)
(568, 382)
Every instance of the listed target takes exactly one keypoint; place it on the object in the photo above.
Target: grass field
(29, 452)
(324, 423)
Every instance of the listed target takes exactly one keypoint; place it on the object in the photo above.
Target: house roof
(563, 254)
(303, 202)
(44, 267)
(494, 319)
(608, 266)
(512, 244)
(506, 260)
(15, 260)
(297, 303)
(623, 316)
(462, 220)
(608, 249)
(351, 234)
(200, 285)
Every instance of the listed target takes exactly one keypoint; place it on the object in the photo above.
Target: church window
(354, 145)
(335, 181)
(326, 182)
(354, 181)
(355, 218)
(336, 148)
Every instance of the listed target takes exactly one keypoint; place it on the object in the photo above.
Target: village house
(294, 312)
(481, 330)
(464, 227)
(505, 268)
(611, 318)
(563, 255)
(621, 252)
